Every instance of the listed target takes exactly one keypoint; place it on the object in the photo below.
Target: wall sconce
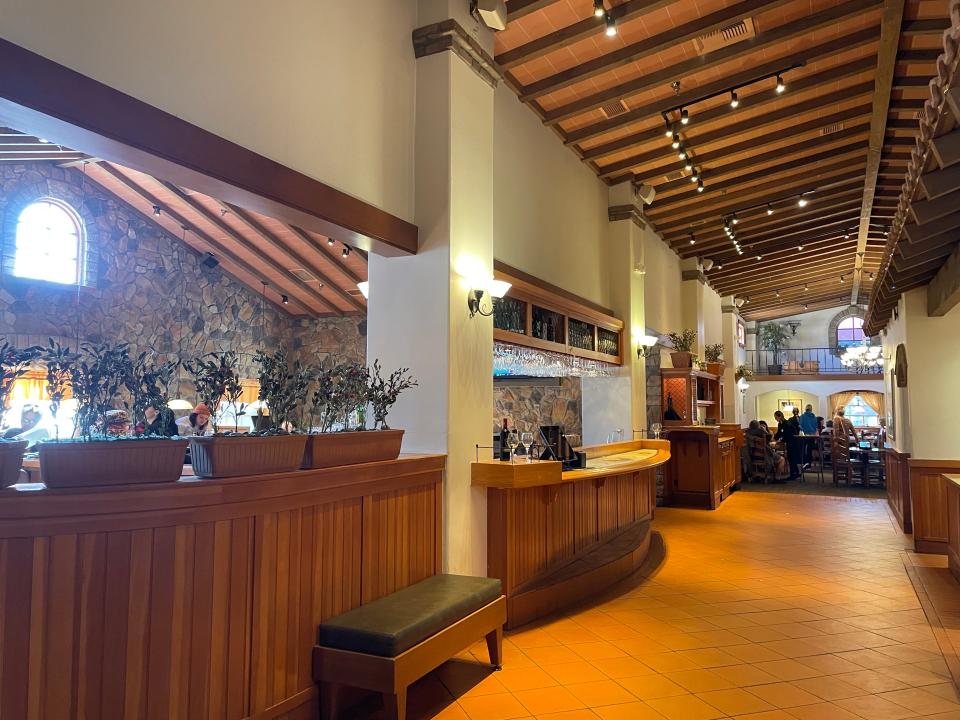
(742, 384)
(646, 346)
(495, 288)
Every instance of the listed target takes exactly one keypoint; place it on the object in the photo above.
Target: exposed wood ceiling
(314, 275)
(856, 74)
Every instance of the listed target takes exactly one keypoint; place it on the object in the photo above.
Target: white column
(418, 316)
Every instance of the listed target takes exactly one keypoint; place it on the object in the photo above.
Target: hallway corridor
(774, 607)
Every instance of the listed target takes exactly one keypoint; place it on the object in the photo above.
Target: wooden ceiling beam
(753, 101)
(735, 130)
(325, 250)
(218, 222)
(254, 226)
(918, 56)
(517, 9)
(756, 145)
(903, 82)
(824, 187)
(925, 211)
(210, 242)
(713, 176)
(901, 264)
(580, 30)
(940, 182)
(760, 223)
(713, 189)
(824, 275)
(648, 47)
(761, 41)
(791, 308)
(943, 293)
(783, 210)
(919, 233)
(792, 238)
(745, 269)
(927, 26)
(946, 149)
(909, 251)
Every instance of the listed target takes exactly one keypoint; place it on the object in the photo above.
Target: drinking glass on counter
(526, 439)
(656, 429)
(513, 439)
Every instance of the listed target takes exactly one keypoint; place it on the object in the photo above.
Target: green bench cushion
(397, 622)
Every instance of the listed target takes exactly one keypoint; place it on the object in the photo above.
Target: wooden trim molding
(49, 100)
(897, 471)
(449, 36)
(694, 275)
(626, 212)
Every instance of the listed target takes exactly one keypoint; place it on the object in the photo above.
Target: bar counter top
(602, 461)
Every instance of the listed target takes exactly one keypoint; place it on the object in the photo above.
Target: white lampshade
(180, 404)
(648, 340)
(364, 288)
(498, 288)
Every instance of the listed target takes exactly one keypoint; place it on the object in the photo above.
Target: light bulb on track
(676, 141)
(598, 10)
(769, 209)
(802, 202)
(684, 116)
(734, 99)
(781, 86)
(700, 186)
(611, 26)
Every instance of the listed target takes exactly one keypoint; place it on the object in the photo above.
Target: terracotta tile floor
(774, 607)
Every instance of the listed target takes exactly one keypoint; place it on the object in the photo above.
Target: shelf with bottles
(582, 335)
(510, 314)
(548, 325)
(608, 342)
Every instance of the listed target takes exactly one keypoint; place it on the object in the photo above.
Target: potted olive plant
(338, 411)
(14, 363)
(102, 377)
(774, 337)
(683, 342)
(230, 454)
(714, 357)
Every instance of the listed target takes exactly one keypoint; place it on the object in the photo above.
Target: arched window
(861, 414)
(49, 243)
(850, 332)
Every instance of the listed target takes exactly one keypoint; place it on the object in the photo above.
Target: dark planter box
(774, 369)
(351, 448)
(79, 463)
(11, 459)
(232, 455)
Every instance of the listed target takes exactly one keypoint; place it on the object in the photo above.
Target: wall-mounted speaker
(209, 261)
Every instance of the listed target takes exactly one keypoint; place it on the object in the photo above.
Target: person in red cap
(197, 422)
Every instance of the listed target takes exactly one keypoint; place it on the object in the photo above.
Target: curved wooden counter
(555, 538)
(201, 598)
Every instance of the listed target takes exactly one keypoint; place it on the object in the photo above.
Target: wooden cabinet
(704, 467)
(537, 315)
(696, 396)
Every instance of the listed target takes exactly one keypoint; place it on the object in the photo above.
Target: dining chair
(817, 455)
(840, 460)
(757, 453)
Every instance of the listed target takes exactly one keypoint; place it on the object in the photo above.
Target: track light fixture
(802, 202)
(676, 141)
(331, 241)
(688, 165)
(846, 236)
(346, 251)
(805, 287)
(694, 176)
(777, 294)
(769, 209)
(156, 210)
(285, 299)
(805, 306)
(781, 86)
(684, 116)
(842, 279)
(598, 10)
(734, 219)
(693, 240)
(700, 187)
(759, 258)
(734, 99)
(668, 126)
(871, 276)
(799, 248)
(611, 26)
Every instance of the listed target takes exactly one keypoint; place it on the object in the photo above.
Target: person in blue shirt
(808, 421)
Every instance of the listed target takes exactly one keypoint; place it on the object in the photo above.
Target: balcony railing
(803, 361)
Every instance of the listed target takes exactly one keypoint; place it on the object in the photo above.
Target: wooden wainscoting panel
(586, 504)
(399, 528)
(928, 500)
(897, 473)
(208, 610)
(559, 536)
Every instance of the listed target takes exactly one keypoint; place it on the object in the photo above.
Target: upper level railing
(802, 361)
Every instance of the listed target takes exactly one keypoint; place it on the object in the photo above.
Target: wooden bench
(387, 644)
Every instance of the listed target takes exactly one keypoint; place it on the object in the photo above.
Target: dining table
(864, 451)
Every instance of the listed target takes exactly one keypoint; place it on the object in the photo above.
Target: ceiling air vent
(304, 275)
(675, 175)
(729, 35)
(613, 108)
(831, 129)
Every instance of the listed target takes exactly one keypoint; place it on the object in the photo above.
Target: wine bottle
(504, 442)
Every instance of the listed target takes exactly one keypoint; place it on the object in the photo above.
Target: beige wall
(760, 398)
(322, 86)
(551, 210)
(712, 317)
(769, 402)
(897, 400)
(662, 300)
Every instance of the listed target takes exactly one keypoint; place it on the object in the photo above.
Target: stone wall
(530, 405)
(145, 287)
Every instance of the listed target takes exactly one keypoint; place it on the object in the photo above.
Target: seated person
(775, 462)
(154, 425)
(196, 423)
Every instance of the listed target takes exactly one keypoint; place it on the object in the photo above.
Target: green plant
(217, 380)
(384, 392)
(684, 340)
(774, 337)
(743, 372)
(713, 353)
(284, 387)
(97, 378)
(149, 386)
(59, 361)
